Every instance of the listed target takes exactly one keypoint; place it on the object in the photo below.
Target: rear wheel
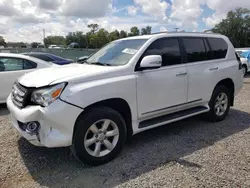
(99, 136)
(219, 104)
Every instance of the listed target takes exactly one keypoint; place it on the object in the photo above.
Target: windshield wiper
(98, 63)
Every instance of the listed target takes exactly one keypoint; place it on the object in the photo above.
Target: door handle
(213, 68)
(181, 74)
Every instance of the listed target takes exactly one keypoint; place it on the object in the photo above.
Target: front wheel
(219, 104)
(99, 136)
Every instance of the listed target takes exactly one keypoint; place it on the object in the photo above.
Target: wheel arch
(118, 104)
(228, 82)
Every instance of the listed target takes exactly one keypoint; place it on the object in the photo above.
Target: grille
(19, 95)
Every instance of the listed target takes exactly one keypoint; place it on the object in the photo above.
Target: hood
(44, 77)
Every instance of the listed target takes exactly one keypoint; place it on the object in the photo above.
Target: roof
(193, 34)
(23, 57)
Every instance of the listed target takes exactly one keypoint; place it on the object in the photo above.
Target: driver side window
(169, 50)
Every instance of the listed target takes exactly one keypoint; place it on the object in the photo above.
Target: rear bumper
(56, 122)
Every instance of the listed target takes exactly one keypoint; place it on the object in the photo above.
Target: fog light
(32, 127)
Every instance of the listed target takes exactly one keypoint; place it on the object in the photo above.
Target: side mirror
(82, 59)
(151, 62)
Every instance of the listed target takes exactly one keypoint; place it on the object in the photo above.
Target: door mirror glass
(151, 62)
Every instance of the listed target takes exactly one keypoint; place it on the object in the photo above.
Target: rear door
(201, 70)
(10, 70)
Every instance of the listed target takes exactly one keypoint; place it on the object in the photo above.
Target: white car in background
(12, 66)
(244, 54)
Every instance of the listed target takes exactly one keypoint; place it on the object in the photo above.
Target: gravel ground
(189, 153)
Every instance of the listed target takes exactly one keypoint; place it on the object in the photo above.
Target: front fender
(87, 93)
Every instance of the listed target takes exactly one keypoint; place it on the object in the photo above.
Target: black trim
(171, 116)
(137, 66)
(71, 104)
(171, 106)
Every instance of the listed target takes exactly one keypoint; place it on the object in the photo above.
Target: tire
(86, 129)
(213, 114)
(244, 70)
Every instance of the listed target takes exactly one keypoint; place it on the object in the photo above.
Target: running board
(173, 117)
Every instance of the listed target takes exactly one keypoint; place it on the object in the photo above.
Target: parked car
(12, 66)
(243, 53)
(50, 58)
(245, 59)
(127, 87)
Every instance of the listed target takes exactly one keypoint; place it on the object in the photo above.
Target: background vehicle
(12, 66)
(245, 59)
(128, 86)
(49, 58)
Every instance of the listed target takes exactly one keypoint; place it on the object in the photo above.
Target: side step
(173, 117)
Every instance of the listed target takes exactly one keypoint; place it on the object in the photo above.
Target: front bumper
(56, 122)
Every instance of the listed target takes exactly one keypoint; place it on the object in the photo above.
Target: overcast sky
(24, 20)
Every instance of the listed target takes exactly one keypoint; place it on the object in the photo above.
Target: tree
(77, 37)
(93, 27)
(114, 35)
(34, 44)
(134, 31)
(57, 40)
(146, 31)
(236, 27)
(2, 41)
(99, 39)
(123, 34)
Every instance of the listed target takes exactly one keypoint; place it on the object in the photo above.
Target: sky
(24, 20)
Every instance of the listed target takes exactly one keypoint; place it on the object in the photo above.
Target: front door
(165, 89)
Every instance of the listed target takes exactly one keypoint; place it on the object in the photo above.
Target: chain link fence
(73, 54)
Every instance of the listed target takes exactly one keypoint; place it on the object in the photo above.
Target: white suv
(127, 87)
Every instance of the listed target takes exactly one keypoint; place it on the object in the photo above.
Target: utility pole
(176, 29)
(43, 36)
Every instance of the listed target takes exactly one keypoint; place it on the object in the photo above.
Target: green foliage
(123, 34)
(146, 31)
(134, 31)
(2, 41)
(114, 35)
(236, 27)
(35, 44)
(77, 37)
(57, 40)
(93, 27)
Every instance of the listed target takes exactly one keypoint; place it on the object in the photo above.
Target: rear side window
(169, 50)
(219, 47)
(195, 49)
(29, 64)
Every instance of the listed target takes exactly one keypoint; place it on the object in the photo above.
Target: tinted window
(169, 50)
(209, 52)
(10, 64)
(219, 47)
(28, 64)
(41, 56)
(195, 49)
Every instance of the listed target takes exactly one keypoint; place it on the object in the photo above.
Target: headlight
(48, 95)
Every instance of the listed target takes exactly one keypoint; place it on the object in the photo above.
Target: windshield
(116, 53)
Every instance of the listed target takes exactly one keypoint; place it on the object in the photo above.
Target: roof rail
(171, 32)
